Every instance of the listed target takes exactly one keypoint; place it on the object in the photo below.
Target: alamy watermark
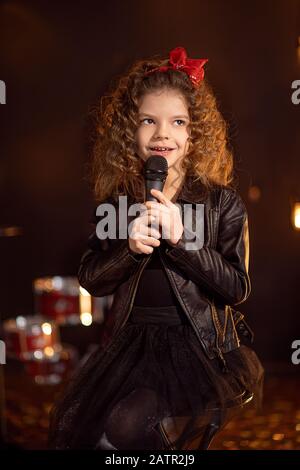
(192, 220)
(296, 354)
(296, 94)
(2, 92)
(2, 352)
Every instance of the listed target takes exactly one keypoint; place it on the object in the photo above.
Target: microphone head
(156, 168)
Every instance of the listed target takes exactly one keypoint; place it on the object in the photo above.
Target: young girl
(171, 356)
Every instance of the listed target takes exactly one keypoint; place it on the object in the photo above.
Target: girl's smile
(164, 153)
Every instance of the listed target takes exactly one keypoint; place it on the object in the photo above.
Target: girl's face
(163, 120)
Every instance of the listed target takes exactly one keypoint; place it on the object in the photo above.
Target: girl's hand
(167, 215)
(141, 237)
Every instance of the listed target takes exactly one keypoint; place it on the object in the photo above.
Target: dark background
(58, 57)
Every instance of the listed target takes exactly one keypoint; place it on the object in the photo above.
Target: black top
(154, 289)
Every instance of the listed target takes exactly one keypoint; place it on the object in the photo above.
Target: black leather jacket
(208, 282)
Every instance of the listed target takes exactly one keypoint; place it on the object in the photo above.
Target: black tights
(132, 421)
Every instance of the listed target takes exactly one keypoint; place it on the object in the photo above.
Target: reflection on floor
(277, 426)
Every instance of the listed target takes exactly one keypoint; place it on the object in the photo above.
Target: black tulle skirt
(152, 388)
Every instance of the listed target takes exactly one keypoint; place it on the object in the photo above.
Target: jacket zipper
(211, 228)
(214, 312)
(214, 318)
(165, 263)
(219, 334)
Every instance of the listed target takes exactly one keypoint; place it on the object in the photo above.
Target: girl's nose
(162, 132)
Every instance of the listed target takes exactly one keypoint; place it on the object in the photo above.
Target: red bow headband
(178, 61)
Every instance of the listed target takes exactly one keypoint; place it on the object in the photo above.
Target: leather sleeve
(106, 264)
(222, 271)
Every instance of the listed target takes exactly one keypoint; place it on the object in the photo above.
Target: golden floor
(276, 426)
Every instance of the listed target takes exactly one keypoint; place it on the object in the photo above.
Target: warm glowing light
(57, 283)
(254, 193)
(36, 330)
(47, 328)
(49, 351)
(38, 354)
(85, 305)
(84, 292)
(296, 215)
(10, 231)
(278, 437)
(21, 322)
(86, 318)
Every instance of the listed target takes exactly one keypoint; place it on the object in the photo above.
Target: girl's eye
(177, 120)
(146, 119)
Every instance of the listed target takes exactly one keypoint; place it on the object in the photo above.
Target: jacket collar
(192, 191)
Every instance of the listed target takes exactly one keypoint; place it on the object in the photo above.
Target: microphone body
(155, 172)
(153, 184)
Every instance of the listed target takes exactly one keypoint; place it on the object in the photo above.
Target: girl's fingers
(156, 206)
(154, 233)
(147, 250)
(161, 197)
(149, 231)
(160, 217)
(146, 219)
(143, 224)
(149, 241)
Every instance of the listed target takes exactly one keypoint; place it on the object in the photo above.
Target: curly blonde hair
(115, 168)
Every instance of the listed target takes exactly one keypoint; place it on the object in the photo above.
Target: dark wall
(58, 57)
